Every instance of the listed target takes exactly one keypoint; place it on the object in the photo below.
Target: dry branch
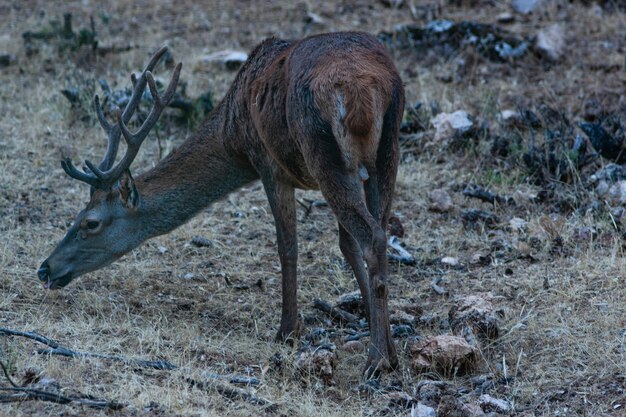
(401, 255)
(19, 393)
(476, 191)
(231, 392)
(61, 351)
(57, 349)
(335, 312)
(26, 394)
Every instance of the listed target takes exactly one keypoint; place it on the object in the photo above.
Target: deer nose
(44, 271)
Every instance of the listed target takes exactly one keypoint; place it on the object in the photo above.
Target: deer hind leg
(378, 204)
(379, 193)
(343, 191)
(282, 203)
(354, 255)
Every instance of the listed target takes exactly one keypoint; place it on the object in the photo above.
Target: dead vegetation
(514, 222)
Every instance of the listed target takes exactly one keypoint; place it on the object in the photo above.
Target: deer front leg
(282, 202)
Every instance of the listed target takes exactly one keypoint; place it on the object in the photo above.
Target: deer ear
(128, 191)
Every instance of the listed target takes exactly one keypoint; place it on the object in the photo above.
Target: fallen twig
(230, 392)
(335, 312)
(356, 336)
(401, 255)
(19, 393)
(234, 379)
(57, 349)
(35, 336)
(61, 351)
(434, 284)
(476, 191)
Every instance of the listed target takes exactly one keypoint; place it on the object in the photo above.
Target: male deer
(317, 113)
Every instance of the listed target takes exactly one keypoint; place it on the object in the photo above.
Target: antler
(105, 175)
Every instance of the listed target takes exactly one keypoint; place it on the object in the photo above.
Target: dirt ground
(558, 281)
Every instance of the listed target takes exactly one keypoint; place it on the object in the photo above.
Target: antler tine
(139, 84)
(113, 137)
(71, 170)
(103, 176)
(134, 140)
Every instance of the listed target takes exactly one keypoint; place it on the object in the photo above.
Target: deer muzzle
(52, 283)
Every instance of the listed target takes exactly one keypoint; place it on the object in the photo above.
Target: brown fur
(311, 113)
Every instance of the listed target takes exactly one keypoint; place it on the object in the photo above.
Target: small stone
(479, 259)
(6, 60)
(450, 261)
(400, 398)
(489, 403)
(518, 224)
(353, 346)
(592, 110)
(352, 302)
(201, 242)
(413, 309)
(477, 312)
(402, 330)
(448, 124)
(421, 410)
(473, 217)
(444, 353)
(188, 275)
(584, 234)
(396, 4)
(551, 42)
(452, 406)
(602, 188)
(319, 361)
(617, 193)
(430, 392)
(401, 317)
(162, 249)
(511, 118)
(440, 201)
(525, 6)
(505, 17)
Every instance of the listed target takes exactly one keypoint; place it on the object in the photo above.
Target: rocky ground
(507, 239)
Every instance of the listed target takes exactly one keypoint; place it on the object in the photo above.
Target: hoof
(289, 335)
(378, 363)
(374, 368)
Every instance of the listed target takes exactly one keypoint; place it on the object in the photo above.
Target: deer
(322, 112)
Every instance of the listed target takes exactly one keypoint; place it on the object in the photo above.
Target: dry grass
(563, 333)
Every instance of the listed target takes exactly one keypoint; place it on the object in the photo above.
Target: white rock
(505, 17)
(509, 117)
(421, 410)
(450, 261)
(489, 403)
(447, 124)
(518, 224)
(617, 193)
(440, 201)
(551, 41)
(525, 6)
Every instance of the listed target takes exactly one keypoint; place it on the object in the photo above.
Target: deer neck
(192, 177)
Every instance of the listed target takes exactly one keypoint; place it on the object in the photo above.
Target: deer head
(107, 227)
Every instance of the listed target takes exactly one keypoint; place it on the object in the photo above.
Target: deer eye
(92, 224)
